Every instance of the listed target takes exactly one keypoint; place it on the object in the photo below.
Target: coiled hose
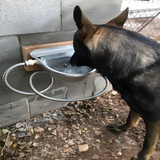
(32, 62)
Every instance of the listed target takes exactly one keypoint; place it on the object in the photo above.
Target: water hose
(29, 62)
(32, 62)
(65, 100)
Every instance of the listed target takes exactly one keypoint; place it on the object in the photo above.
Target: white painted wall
(29, 16)
(37, 16)
(98, 11)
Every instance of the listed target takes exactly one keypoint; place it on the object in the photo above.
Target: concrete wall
(28, 22)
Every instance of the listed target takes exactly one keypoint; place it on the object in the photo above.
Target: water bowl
(56, 62)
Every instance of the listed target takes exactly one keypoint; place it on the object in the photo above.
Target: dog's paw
(115, 128)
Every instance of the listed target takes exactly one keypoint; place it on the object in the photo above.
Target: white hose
(5, 77)
(65, 100)
(30, 62)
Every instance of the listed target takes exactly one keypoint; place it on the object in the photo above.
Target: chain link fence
(144, 17)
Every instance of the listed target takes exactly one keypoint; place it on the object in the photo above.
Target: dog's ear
(120, 20)
(80, 19)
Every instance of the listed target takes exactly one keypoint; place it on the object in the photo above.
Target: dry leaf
(32, 131)
(52, 121)
(47, 145)
(28, 134)
(98, 133)
(9, 142)
(24, 144)
(37, 136)
(15, 145)
(21, 154)
(66, 151)
(4, 131)
(48, 136)
(54, 132)
(83, 148)
(38, 129)
(36, 144)
(27, 150)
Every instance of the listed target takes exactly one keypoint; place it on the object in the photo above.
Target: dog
(131, 62)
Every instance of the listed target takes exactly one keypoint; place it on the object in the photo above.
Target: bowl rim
(64, 73)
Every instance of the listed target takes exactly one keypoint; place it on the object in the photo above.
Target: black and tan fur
(131, 62)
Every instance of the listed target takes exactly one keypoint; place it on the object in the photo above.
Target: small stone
(21, 129)
(83, 148)
(119, 153)
(49, 129)
(18, 125)
(117, 115)
(114, 92)
(76, 106)
(13, 136)
(28, 126)
(21, 134)
(110, 103)
(77, 128)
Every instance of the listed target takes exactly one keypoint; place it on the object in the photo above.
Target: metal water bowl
(56, 62)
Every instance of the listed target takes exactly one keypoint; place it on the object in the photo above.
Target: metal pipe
(144, 10)
(139, 29)
(140, 17)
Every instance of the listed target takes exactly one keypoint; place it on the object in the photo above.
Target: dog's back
(132, 64)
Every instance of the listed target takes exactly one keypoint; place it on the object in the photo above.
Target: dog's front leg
(132, 121)
(151, 138)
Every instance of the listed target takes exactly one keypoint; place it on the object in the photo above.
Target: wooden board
(27, 49)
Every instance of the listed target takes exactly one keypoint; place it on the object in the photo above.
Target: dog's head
(88, 36)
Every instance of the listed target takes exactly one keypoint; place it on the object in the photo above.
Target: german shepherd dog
(131, 62)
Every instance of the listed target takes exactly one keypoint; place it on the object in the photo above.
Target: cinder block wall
(28, 22)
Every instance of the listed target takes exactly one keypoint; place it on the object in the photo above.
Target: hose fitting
(31, 62)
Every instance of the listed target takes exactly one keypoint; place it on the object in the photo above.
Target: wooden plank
(27, 49)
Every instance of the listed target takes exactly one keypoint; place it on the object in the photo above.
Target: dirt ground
(75, 132)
